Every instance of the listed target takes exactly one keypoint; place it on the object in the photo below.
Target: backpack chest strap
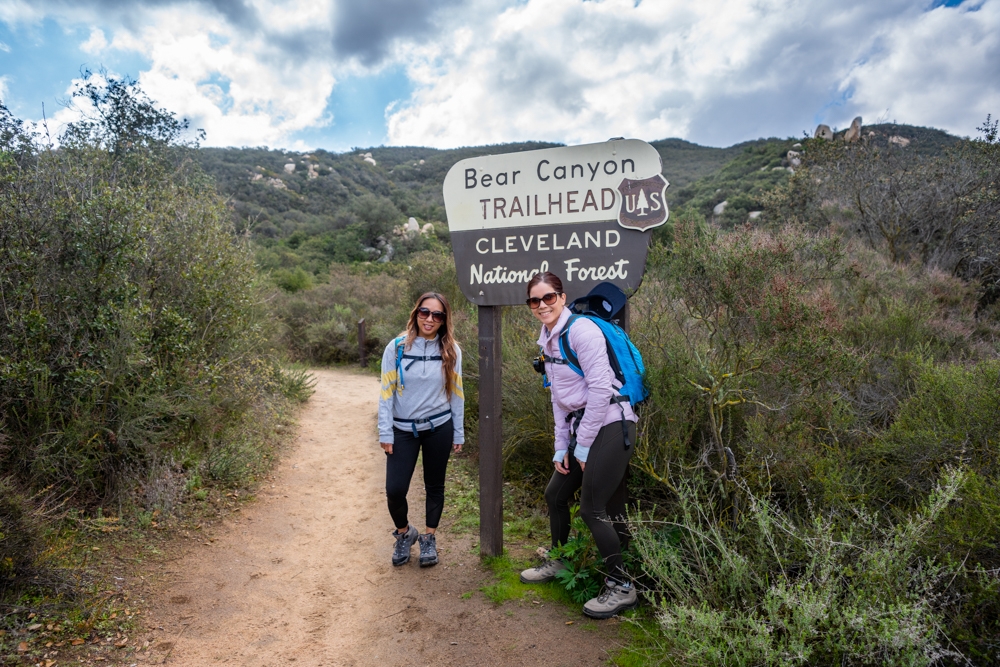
(415, 358)
(555, 360)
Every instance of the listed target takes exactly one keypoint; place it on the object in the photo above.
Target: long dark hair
(548, 278)
(449, 348)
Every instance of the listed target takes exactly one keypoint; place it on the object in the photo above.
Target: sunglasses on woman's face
(548, 299)
(435, 315)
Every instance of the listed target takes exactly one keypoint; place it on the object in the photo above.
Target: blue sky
(337, 74)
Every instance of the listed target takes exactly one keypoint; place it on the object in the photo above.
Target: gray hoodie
(421, 394)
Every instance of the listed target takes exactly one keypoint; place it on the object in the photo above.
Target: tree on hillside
(129, 326)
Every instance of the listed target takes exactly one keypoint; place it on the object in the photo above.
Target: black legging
(602, 498)
(399, 467)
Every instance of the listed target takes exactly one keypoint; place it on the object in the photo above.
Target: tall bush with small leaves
(131, 331)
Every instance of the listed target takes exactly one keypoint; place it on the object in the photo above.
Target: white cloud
(3, 88)
(717, 71)
(240, 88)
(96, 43)
(4, 47)
(18, 11)
(941, 69)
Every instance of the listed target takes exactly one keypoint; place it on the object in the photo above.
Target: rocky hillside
(307, 210)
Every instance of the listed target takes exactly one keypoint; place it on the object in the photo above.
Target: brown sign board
(582, 212)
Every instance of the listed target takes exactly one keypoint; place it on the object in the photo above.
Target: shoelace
(605, 594)
(399, 542)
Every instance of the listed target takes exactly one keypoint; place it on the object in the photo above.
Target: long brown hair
(449, 348)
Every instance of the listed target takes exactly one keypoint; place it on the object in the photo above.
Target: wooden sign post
(583, 212)
(362, 340)
(490, 431)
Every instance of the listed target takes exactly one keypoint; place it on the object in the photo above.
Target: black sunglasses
(548, 299)
(435, 315)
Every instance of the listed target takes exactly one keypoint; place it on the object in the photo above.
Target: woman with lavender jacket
(591, 453)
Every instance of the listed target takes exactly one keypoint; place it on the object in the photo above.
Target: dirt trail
(302, 576)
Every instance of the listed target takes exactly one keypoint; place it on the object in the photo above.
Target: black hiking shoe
(404, 542)
(428, 550)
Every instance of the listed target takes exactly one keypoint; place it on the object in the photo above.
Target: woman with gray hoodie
(422, 407)
(591, 451)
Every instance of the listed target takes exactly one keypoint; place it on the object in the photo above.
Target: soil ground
(303, 575)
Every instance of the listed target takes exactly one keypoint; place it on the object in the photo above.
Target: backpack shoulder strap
(399, 359)
(574, 362)
(566, 350)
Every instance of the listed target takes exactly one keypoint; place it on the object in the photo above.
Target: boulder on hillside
(853, 133)
(902, 142)
(720, 208)
(794, 158)
(823, 132)
(290, 167)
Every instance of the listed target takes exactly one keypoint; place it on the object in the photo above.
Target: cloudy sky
(337, 74)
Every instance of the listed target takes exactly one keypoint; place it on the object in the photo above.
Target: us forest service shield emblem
(644, 205)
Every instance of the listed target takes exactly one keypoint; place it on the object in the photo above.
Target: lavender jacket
(571, 392)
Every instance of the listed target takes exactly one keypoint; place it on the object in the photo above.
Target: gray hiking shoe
(404, 542)
(428, 550)
(614, 599)
(545, 572)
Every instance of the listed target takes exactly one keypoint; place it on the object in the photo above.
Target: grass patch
(507, 586)
(461, 498)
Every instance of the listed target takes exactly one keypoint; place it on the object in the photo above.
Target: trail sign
(582, 212)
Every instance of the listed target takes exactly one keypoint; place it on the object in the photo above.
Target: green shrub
(292, 280)
(581, 578)
(133, 325)
(746, 320)
(839, 589)
(320, 325)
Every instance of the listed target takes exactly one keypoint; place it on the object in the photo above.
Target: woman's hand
(583, 465)
(457, 447)
(387, 446)
(563, 466)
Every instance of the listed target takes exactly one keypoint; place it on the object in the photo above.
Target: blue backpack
(625, 359)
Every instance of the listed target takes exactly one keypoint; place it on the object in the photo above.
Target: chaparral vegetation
(817, 474)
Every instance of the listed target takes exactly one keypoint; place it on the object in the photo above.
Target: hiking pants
(399, 467)
(603, 494)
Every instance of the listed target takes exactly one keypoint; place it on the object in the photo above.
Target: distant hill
(309, 209)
